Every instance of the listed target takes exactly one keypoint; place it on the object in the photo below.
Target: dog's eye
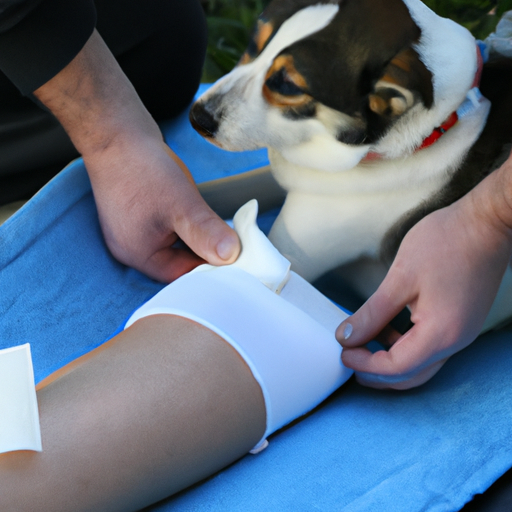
(281, 83)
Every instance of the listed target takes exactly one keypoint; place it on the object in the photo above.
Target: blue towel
(428, 449)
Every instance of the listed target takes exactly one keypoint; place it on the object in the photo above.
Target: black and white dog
(373, 116)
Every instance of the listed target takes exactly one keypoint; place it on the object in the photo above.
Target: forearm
(485, 215)
(161, 406)
(95, 102)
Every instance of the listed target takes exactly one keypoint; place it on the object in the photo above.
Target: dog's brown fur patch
(280, 100)
(263, 33)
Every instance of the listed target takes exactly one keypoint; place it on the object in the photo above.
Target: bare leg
(161, 406)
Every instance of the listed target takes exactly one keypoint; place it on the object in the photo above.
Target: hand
(145, 196)
(146, 201)
(447, 270)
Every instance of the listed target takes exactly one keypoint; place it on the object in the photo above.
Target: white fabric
(499, 43)
(286, 339)
(258, 256)
(19, 416)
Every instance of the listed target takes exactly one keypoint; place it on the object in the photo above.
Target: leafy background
(230, 24)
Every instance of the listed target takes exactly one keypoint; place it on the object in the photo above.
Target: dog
(375, 113)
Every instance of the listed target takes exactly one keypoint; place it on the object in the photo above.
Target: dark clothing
(159, 44)
(12, 11)
(44, 40)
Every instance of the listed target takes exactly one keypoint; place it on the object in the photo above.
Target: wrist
(503, 192)
(491, 200)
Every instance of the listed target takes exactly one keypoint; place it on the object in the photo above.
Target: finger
(208, 235)
(415, 350)
(211, 239)
(388, 336)
(170, 263)
(373, 317)
(400, 382)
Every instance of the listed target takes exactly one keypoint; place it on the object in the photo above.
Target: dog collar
(473, 98)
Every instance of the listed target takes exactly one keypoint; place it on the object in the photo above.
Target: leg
(159, 407)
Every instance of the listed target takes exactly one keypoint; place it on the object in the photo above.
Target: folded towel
(427, 449)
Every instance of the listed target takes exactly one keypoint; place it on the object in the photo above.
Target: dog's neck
(427, 169)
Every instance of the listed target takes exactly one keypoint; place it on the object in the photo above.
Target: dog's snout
(202, 121)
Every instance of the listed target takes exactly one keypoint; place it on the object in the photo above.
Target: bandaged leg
(286, 338)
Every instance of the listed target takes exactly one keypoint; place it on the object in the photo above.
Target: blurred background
(230, 24)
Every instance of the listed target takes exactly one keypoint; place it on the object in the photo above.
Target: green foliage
(479, 16)
(230, 24)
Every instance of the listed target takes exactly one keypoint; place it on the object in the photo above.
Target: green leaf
(503, 7)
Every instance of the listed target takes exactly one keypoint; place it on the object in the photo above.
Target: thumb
(204, 231)
(371, 320)
(199, 226)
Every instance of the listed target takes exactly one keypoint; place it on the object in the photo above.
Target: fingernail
(347, 331)
(227, 247)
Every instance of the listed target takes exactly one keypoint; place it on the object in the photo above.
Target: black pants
(160, 45)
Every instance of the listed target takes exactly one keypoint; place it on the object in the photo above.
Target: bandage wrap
(287, 340)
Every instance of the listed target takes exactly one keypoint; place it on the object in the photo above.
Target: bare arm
(145, 196)
(159, 407)
(447, 270)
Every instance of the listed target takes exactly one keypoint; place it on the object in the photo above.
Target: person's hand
(145, 202)
(447, 271)
(145, 196)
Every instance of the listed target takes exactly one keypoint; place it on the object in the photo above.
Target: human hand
(146, 201)
(447, 271)
(145, 196)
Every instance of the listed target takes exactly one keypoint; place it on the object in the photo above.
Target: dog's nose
(202, 121)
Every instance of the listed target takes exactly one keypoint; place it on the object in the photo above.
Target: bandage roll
(294, 358)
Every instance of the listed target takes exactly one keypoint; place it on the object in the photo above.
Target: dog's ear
(389, 101)
(262, 34)
(405, 81)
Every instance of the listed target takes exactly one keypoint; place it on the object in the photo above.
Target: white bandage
(19, 416)
(286, 339)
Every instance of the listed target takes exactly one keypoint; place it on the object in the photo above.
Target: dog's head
(323, 83)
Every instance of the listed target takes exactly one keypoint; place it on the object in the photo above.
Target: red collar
(450, 121)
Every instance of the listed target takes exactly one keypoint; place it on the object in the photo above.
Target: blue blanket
(428, 449)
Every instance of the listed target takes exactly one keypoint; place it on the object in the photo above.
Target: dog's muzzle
(202, 121)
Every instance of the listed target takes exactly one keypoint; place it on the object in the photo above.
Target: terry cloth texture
(428, 449)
